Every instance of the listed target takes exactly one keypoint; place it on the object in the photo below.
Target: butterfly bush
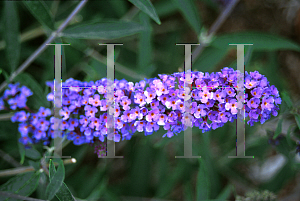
(203, 100)
(15, 97)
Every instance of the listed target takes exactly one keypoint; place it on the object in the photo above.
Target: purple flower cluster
(172, 102)
(34, 127)
(14, 97)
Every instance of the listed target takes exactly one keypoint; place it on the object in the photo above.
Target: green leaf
(6, 76)
(52, 169)
(278, 129)
(288, 135)
(40, 11)
(56, 181)
(23, 184)
(190, 13)
(37, 99)
(188, 191)
(248, 54)
(147, 7)
(165, 8)
(63, 193)
(32, 153)
(99, 190)
(22, 152)
(11, 34)
(34, 164)
(283, 147)
(260, 41)
(105, 30)
(209, 58)
(287, 99)
(202, 187)
(120, 7)
(297, 118)
(145, 45)
(224, 195)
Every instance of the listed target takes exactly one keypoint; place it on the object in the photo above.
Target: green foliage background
(149, 32)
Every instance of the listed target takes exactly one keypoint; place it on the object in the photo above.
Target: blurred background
(149, 170)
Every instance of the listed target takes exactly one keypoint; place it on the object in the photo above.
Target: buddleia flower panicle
(207, 101)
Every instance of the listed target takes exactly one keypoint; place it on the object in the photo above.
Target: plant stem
(216, 25)
(4, 117)
(9, 159)
(15, 171)
(20, 170)
(44, 45)
(131, 14)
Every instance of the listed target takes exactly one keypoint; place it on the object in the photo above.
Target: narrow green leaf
(147, 7)
(56, 181)
(105, 30)
(165, 8)
(209, 58)
(288, 135)
(37, 99)
(99, 190)
(23, 184)
(278, 128)
(120, 7)
(52, 169)
(260, 41)
(111, 195)
(283, 147)
(6, 76)
(224, 195)
(41, 12)
(297, 118)
(202, 188)
(34, 164)
(32, 153)
(287, 99)
(190, 13)
(145, 45)
(63, 193)
(139, 168)
(22, 152)
(11, 34)
(248, 55)
(188, 191)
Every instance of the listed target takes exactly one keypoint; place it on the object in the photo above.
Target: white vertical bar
(110, 88)
(188, 137)
(58, 101)
(240, 128)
